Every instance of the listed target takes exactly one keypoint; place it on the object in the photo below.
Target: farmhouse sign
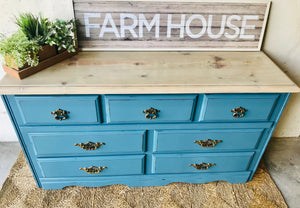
(145, 25)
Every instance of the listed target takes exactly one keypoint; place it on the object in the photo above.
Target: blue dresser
(144, 140)
(147, 118)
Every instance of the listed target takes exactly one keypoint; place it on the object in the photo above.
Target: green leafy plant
(22, 48)
(19, 50)
(35, 27)
(63, 35)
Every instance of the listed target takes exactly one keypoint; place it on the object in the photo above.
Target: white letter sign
(188, 29)
(170, 25)
(87, 23)
(143, 21)
(105, 29)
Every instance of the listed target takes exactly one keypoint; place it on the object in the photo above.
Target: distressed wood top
(155, 72)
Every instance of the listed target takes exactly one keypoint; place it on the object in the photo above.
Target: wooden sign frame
(170, 25)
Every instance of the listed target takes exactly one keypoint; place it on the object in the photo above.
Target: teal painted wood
(284, 97)
(180, 163)
(63, 143)
(36, 110)
(218, 107)
(129, 108)
(184, 140)
(157, 136)
(143, 126)
(70, 167)
(16, 127)
(145, 180)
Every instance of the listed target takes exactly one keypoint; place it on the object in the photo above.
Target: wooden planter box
(12, 63)
(25, 72)
(46, 52)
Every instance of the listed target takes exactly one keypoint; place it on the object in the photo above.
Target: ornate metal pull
(89, 145)
(203, 166)
(239, 112)
(93, 169)
(60, 114)
(151, 113)
(208, 142)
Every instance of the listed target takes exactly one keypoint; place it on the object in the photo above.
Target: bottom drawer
(145, 180)
(190, 163)
(75, 166)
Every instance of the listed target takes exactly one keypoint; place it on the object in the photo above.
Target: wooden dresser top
(155, 72)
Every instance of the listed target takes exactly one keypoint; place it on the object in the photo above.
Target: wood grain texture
(155, 72)
(148, 40)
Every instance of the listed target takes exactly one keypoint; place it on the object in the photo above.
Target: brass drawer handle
(151, 113)
(60, 114)
(93, 169)
(203, 166)
(89, 145)
(208, 142)
(239, 112)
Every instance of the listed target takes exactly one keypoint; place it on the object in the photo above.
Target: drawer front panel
(181, 163)
(39, 110)
(259, 107)
(206, 140)
(70, 167)
(172, 108)
(75, 143)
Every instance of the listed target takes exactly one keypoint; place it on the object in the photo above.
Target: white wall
(282, 43)
(62, 9)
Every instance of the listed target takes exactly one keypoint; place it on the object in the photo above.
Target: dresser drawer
(182, 163)
(42, 110)
(75, 166)
(257, 107)
(205, 140)
(134, 108)
(86, 143)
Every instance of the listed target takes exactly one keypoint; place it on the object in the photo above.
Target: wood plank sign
(166, 25)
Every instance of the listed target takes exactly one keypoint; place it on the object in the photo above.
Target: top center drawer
(149, 108)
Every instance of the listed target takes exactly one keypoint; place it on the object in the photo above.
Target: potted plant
(63, 35)
(18, 51)
(37, 39)
(39, 29)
